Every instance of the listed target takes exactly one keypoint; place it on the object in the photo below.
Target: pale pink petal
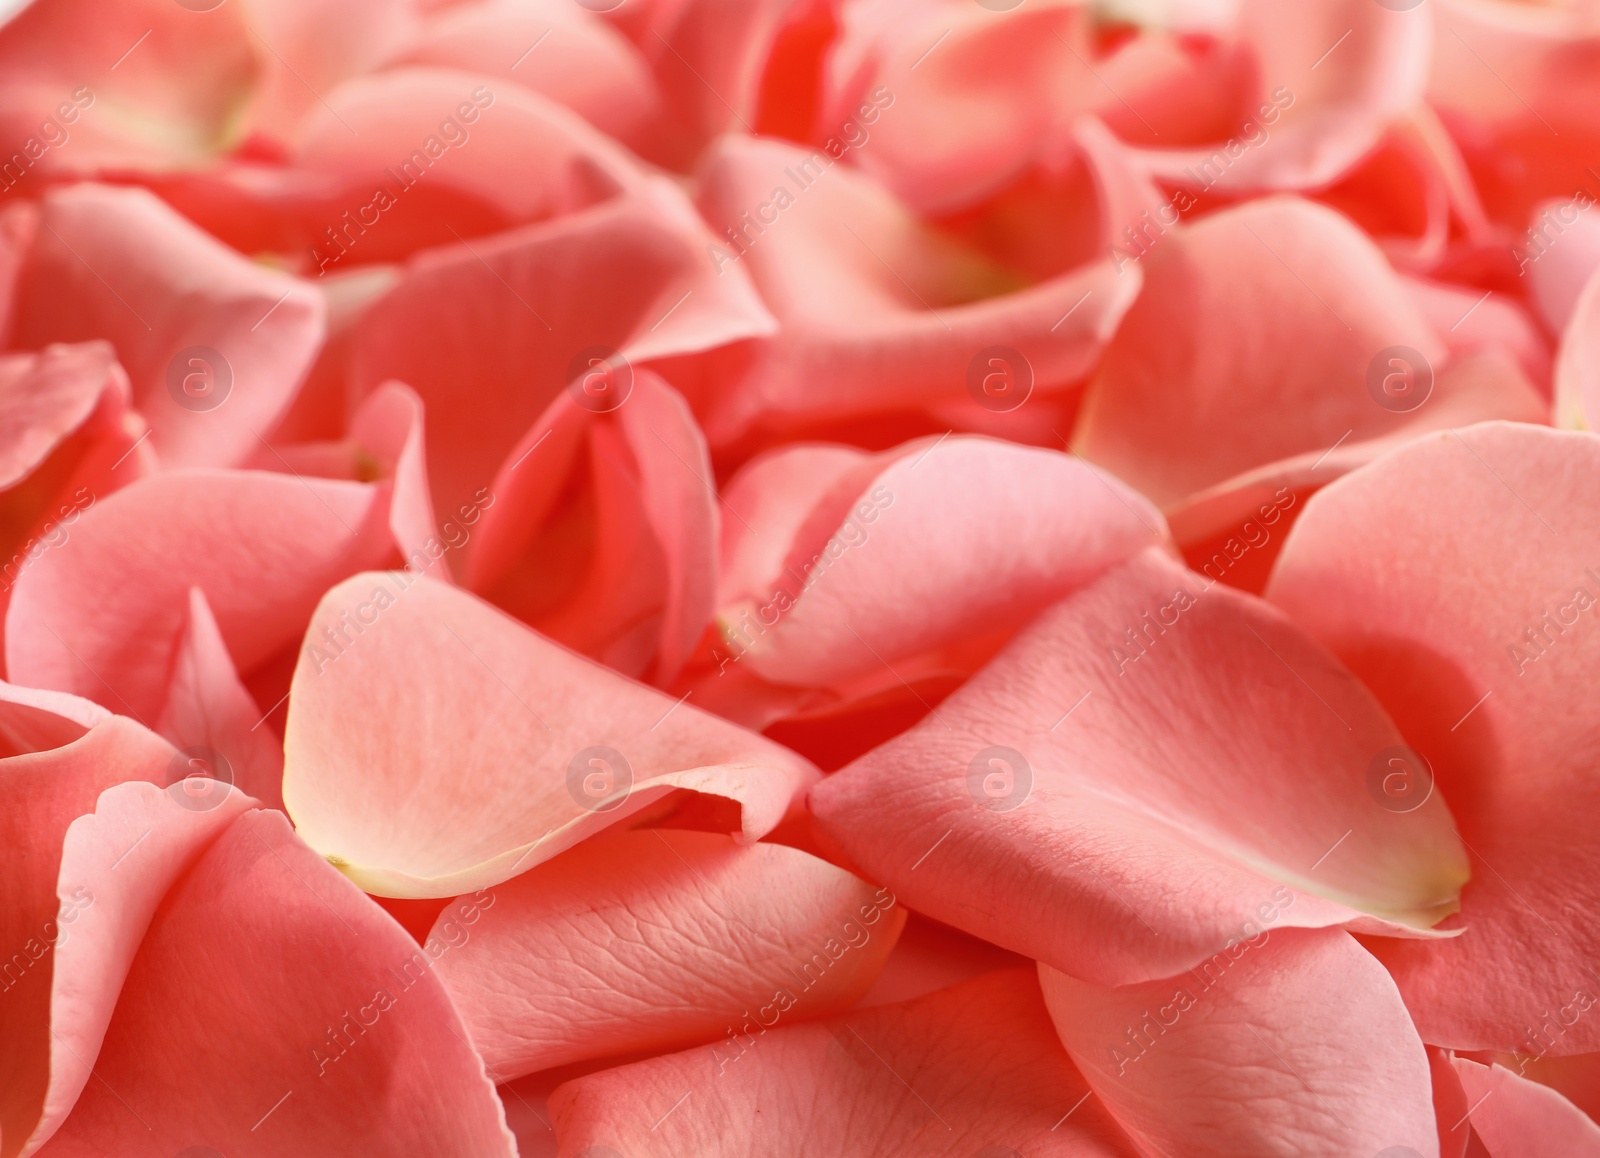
(656, 940)
(320, 1025)
(553, 747)
(970, 1070)
(388, 430)
(1301, 1048)
(1240, 796)
(191, 320)
(1479, 648)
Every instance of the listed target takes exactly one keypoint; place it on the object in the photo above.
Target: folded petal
(905, 558)
(1240, 798)
(621, 565)
(973, 1069)
(1302, 1048)
(656, 940)
(117, 863)
(149, 85)
(19, 222)
(880, 312)
(1331, 76)
(527, 312)
(1479, 648)
(1517, 1118)
(104, 614)
(323, 1027)
(215, 345)
(60, 754)
(210, 714)
(397, 671)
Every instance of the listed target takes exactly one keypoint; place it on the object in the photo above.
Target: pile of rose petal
(868, 578)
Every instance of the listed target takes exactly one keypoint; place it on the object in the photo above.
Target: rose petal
(608, 949)
(1517, 1118)
(102, 615)
(361, 1053)
(879, 312)
(1339, 73)
(148, 85)
(911, 553)
(1301, 1048)
(60, 755)
(1577, 386)
(581, 62)
(973, 1069)
(1239, 757)
(412, 130)
(1461, 644)
(118, 264)
(1191, 361)
(117, 863)
(209, 713)
(524, 311)
(497, 748)
(308, 48)
(977, 95)
(636, 591)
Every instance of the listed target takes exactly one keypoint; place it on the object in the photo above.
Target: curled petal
(362, 1052)
(215, 345)
(496, 749)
